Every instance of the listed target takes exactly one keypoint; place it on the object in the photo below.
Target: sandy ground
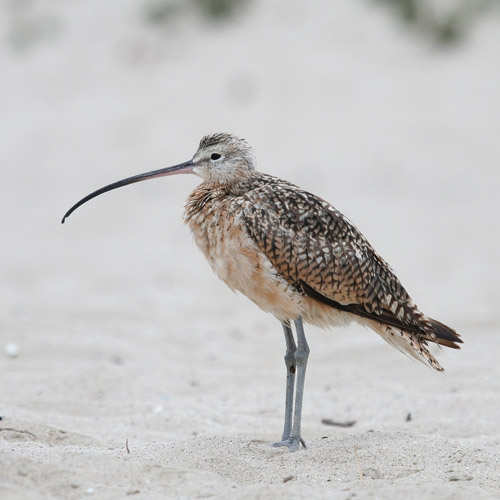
(125, 338)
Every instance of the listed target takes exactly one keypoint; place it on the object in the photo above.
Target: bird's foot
(292, 443)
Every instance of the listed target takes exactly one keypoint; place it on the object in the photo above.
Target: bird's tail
(409, 330)
(409, 343)
(439, 333)
(415, 343)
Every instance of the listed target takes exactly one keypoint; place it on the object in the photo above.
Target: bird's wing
(308, 241)
(320, 252)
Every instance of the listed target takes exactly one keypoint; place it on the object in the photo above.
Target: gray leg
(290, 380)
(291, 438)
(301, 356)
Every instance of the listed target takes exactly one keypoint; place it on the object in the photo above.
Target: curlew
(296, 257)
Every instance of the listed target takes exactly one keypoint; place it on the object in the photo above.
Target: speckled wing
(308, 241)
(320, 252)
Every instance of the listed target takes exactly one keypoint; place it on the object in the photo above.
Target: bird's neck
(209, 193)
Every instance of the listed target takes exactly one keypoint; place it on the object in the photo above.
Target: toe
(291, 443)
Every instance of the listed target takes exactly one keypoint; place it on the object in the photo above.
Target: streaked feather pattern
(304, 245)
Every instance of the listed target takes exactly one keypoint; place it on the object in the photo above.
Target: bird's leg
(301, 354)
(290, 381)
(301, 357)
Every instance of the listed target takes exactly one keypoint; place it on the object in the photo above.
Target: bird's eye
(215, 156)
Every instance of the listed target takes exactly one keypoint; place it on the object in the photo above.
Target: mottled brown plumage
(295, 256)
(320, 266)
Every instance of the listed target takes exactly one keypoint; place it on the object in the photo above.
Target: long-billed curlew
(296, 257)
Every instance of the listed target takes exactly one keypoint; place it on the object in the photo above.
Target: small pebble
(158, 409)
(11, 349)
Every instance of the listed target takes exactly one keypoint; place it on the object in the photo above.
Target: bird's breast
(218, 230)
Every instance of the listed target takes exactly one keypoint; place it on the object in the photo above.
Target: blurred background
(388, 109)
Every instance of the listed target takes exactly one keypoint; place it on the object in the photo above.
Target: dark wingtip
(444, 334)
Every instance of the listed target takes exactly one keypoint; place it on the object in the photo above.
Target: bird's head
(223, 159)
(220, 159)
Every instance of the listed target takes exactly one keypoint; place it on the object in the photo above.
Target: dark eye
(215, 156)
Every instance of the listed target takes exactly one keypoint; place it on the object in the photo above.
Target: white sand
(125, 335)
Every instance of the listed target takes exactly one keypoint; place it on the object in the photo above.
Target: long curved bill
(182, 168)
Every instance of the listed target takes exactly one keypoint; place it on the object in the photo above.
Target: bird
(295, 256)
